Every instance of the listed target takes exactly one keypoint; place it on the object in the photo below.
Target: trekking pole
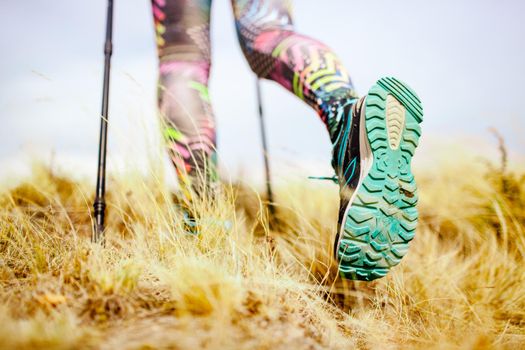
(269, 191)
(100, 202)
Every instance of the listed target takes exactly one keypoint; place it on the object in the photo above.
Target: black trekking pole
(100, 202)
(269, 191)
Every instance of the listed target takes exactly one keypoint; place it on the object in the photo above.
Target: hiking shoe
(372, 154)
(189, 222)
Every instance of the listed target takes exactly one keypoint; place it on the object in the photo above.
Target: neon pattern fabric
(274, 51)
(183, 44)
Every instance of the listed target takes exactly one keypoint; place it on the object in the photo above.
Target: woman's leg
(301, 64)
(373, 140)
(182, 28)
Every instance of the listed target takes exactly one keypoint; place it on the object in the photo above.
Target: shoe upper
(345, 152)
(346, 156)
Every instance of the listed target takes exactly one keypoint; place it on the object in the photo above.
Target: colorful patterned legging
(274, 51)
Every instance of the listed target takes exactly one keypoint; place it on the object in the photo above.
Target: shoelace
(334, 178)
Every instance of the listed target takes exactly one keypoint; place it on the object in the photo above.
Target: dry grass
(461, 286)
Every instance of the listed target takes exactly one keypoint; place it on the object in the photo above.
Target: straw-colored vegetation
(462, 285)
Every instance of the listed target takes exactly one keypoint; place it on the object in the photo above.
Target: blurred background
(464, 58)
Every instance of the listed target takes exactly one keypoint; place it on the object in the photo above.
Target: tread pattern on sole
(395, 121)
(382, 218)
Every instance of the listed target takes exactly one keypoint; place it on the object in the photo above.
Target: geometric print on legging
(182, 30)
(302, 65)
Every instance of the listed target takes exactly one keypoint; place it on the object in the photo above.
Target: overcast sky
(464, 58)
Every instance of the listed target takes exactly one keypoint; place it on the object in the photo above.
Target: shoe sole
(381, 217)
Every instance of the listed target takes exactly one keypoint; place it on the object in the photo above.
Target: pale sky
(464, 58)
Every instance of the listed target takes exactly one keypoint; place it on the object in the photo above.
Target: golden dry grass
(462, 284)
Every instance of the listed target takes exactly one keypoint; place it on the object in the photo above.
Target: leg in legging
(377, 213)
(182, 28)
(301, 64)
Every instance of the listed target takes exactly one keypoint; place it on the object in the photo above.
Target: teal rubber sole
(382, 216)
